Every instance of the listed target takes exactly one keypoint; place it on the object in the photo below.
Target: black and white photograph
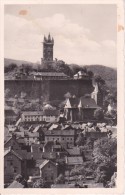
(60, 95)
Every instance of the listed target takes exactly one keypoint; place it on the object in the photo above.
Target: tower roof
(49, 39)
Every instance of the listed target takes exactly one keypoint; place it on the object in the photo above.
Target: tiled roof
(74, 160)
(16, 184)
(60, 133)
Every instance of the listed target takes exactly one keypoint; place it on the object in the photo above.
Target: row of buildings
(42, 151)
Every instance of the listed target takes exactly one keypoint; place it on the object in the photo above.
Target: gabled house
(14, 164)
(48, 171)
(64, 137)
(32, 116)
(12, 143)
(50, 115)
(71, 162)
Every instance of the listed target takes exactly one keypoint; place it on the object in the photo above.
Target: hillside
(107, 73)
(8, 61)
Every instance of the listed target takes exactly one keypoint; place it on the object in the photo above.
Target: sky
(83, 34)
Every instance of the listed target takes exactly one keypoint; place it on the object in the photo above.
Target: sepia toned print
(60, 96)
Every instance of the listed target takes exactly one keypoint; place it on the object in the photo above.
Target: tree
(60, 179)
(10, 67)
(39, 183)
(105, 158)
(98, 114)
(99, 79)
(90, 74)
(67, 95)
(7, 93)
(80, 141)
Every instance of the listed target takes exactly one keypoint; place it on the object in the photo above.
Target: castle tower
(48, 44)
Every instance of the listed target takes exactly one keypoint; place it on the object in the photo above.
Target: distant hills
(8, 61)
(107, 73)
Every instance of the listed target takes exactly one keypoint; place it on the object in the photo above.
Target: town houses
(50, 137)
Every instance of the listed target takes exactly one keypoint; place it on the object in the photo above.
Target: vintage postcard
(62, 97)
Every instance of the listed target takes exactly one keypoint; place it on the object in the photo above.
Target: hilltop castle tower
(48, 44)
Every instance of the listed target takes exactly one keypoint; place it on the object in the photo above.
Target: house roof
(16, 184)
(74, 102)
(33, 113)
(60, 133)
(13, 152)
(10, 112)
(54, 126)
(74, 160)
(87, 102)
(50, 74)
(39, 162)
(45, 163)
(49, 112)
(73, 151)
(9, 140)
(29, 134)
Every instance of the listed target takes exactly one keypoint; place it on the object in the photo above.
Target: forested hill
(107, 73)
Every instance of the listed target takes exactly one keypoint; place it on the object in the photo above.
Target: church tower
(97, 94)
(48, 44)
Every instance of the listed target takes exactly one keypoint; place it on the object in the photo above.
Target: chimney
(66, 159)
(43, 149)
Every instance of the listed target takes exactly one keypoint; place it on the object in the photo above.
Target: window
(15, 170)
(48, 166)
(67, 138)
(63, 139)
(51, 177)
(70, 138)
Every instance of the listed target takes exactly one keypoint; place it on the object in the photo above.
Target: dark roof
(60, 132)
(10, 112)
(74, 102)
(16, 184)
(13, 152)
(88, 102)
(13, 138)
(36, 147)
(49, 112)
